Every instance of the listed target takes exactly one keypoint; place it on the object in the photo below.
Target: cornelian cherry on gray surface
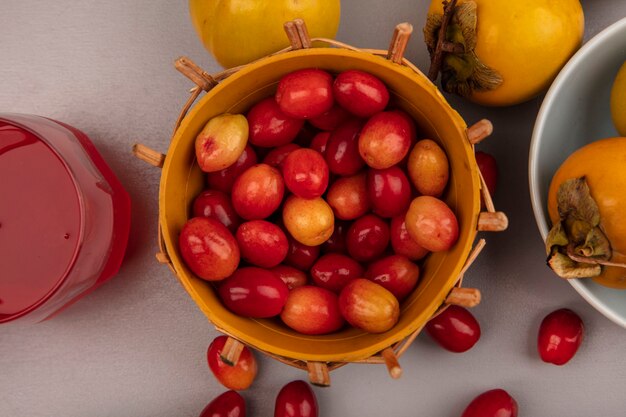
(560, 335)
(254, 292)
(208, 248)
(305, 93)
(455, 329)
(305, 173)
(489, 168)
(269, 126)
(385, 139)
(342, 149)
(258, 192)
(389, 191)
(217, 205)
(333, 271)
(296, 399)
(236, 376)
(312, 310)
(361, 93)
(331, 119)
(291, 276)
(262, 243)
(223, 180)
(276, 157)
(228, 404)
(367, 238)
(492, 403)
(396, 273)
(401, 241)
(300, 255)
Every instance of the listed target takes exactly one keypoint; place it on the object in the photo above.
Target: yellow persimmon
(526, 42)
(601, 164)
(237, 32)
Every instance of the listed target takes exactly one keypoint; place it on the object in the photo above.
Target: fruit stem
(437, 57)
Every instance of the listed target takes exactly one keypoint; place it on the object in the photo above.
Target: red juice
(64, 217)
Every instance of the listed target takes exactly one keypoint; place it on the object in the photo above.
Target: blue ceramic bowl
(576, 111)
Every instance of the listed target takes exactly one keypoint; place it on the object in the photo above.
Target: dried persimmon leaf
(556, 238)
(566, 268)
(596, 245)
(575, 203)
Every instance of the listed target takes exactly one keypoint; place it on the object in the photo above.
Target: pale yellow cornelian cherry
(221, 142)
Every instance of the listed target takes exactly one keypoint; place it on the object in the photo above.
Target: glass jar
(64, 218)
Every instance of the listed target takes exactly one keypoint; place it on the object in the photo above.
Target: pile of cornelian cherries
(320, 201)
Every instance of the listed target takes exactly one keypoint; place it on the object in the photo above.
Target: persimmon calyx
(462, 72)
(576, 245)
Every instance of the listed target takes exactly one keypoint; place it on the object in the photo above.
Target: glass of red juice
(64, 218)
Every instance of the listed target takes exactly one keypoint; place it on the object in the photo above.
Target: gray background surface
(136, 347)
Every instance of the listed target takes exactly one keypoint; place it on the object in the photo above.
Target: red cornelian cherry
(223, 180)
(385, 139)
(258, 192)
(401, 241)
(228, 404)
(333, 271)
(217, 205)
(336, 243)
(455, 329)
(262, 243)
(291, 276)
(348, 197)
(361, 93)
(305, 93)
(395, 273)
(276, 157)
(342, 149)
(237, 376)
(492, 403)
(254, 292)
(312, 310)
(300, 255)
(305, 173)
(367, 238)
(560, 335)
(319, 142)
(489, 169)
(331, 119)
(208, 248)
(389, 191)
(296, 399)
(269, 126)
